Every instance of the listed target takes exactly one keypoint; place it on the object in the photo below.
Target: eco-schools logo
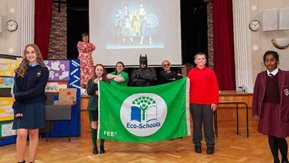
(143, 114)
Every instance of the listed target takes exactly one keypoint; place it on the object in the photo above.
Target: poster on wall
(6, 129)
(6, 111)
(6, 82)
(58, 70)
(55, 86)
(7, 66)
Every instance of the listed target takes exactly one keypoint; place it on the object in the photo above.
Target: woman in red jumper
(204, 96)
(271, 105)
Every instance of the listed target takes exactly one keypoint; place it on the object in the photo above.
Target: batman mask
(143, 60)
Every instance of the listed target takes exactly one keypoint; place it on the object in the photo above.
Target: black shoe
(276, 160)
(198, 148)
(101, 150)
(210, 150)
(94, 150)
(284, 161)
(22, 161)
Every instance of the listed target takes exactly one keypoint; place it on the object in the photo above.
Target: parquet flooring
(230, 148)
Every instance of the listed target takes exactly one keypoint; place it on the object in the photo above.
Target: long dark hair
(94, 76)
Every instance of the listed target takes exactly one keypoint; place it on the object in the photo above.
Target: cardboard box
(68, 94)
(66, 97)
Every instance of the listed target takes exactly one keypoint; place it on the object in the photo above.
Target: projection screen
(123, 29)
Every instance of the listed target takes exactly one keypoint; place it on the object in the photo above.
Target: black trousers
(202, 116)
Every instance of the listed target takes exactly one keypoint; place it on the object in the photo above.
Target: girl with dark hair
(271, 105)
(98, 74)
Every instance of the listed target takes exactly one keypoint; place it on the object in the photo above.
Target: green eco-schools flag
(144, 114)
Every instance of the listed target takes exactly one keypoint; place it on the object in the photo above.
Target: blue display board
(59, 128)
(7, 140)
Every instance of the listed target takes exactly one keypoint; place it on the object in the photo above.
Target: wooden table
(235, 99)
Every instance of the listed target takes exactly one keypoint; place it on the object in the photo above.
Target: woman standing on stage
(85, 49)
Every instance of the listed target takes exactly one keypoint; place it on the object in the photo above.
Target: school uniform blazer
(259, 93)
(91, 87)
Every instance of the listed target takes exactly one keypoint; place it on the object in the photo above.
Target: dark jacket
(259, 93)
(143, 77)
(31, 87)
(93, 98)
(166, 77)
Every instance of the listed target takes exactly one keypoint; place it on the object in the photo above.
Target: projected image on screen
(135, 27)
(121, 30)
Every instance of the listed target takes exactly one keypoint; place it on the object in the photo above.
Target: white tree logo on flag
(143, 114)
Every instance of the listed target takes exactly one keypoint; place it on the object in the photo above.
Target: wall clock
(11, 25)
(255, 25)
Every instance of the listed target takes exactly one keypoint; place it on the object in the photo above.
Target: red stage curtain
(43, 12)
(224, 64)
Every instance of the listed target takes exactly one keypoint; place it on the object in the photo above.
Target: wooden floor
(230, 148)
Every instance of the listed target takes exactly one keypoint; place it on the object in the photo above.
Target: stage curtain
(224, 64)
(43, 12)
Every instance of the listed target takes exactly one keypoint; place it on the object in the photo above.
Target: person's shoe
(101, 150)
(210, 150)
(94, 150)
(284, 160)
(198, 148)
(276, 160)
(21, 161)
